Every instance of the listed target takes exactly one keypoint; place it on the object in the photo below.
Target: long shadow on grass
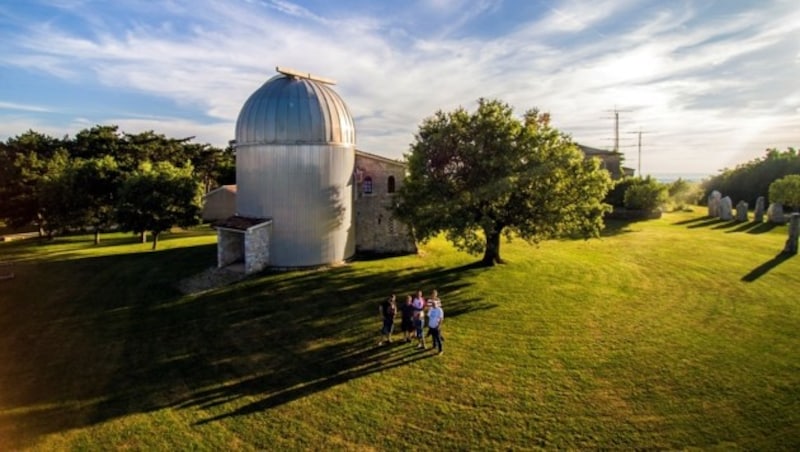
(691, 221)
(762, 269)
(90, 340)
(708, 222)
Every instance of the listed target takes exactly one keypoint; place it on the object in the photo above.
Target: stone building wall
(377, 231)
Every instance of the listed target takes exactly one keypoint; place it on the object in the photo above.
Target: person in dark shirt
(407, 319)
(387, 311)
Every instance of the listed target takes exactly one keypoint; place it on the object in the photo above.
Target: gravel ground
(208, 279)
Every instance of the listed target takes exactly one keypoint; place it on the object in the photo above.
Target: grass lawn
(675, 333)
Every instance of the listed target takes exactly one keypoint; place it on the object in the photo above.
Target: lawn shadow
(90, 340)
(691, 221)
(762, 269)
(763, 227)
(745, 227)
(706, 222)
(616, 227)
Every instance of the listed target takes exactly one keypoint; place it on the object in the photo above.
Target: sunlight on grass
(659, 335)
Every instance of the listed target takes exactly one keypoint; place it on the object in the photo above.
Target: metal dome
(288, 109)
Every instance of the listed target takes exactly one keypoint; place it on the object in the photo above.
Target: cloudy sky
(710, 84)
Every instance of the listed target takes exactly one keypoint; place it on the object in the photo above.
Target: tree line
(104, 179)
(750, 180)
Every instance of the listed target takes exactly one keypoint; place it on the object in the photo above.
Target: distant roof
(226, 188)
(379, 157)
(588, 150)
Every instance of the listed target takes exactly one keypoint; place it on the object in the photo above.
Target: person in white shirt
(435, 321)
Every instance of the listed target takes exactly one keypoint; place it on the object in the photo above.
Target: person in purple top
(407, 318)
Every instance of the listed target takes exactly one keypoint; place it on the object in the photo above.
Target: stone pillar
(758, 214)
(794, 232)
(726, 209)
(713, 203)
(741, 211)
(775, 213)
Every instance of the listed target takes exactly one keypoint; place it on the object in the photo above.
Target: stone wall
(377, 231)
(256, 248)
(244, 241)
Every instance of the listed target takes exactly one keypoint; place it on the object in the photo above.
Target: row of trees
(103, 178)
(750, 180)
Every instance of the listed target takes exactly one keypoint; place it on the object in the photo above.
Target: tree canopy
(477, 176)
(786, 191)
(157, 197)
(73, 183)
(748, 181)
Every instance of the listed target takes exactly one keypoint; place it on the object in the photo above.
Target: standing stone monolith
(758, 214)
(726, 209)
(741, 211)
(775, 213)
(794, 233)
(713, 203)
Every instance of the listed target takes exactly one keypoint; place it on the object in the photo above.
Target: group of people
(413, 315)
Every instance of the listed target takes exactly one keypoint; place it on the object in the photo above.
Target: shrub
(645, 194)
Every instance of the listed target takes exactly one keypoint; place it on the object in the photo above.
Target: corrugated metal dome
(294, 110)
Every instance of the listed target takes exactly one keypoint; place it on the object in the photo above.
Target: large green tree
(157, 197)
(786, 191)
(24, 163)
(482, 175)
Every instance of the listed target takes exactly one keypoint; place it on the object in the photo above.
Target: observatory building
(299, 187)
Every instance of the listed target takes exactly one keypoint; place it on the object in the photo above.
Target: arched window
(367, 185)
(390, 184)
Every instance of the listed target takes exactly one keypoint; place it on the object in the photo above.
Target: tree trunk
(492, 254)
(155, 240)
(143, 236)
(96, 236)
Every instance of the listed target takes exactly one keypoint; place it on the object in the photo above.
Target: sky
(710, 84)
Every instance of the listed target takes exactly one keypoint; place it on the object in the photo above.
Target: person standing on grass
(407, 318)
(387, 311)
(435, 321)
(419, 318)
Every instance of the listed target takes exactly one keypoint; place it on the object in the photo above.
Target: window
(390, 184)
(367, 186)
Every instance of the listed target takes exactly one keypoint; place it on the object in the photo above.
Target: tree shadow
(616, 227)
(90, 340)
(762, 269)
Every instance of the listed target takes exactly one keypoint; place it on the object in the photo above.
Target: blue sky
(710, 83)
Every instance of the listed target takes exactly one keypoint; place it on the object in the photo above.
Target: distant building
(219, 203)
(609, 160)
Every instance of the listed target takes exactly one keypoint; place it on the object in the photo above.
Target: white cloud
(674, 74)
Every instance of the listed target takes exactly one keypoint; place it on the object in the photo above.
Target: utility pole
(616, 126)
(639, 160)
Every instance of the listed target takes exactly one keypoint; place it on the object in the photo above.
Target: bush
(646, 194)
(786, 191)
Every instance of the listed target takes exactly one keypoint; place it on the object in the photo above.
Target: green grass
(675, 333)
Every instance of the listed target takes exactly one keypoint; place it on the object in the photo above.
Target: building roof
(588, 150)
(225, 188)
(294, 109)
(379, 158)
